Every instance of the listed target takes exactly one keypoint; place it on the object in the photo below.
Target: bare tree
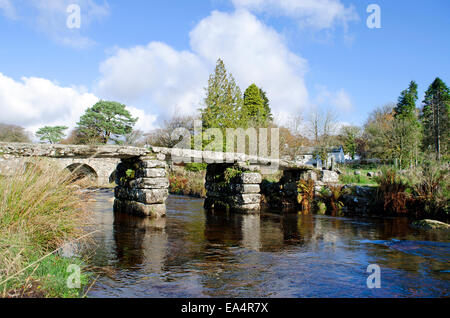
(162, 137)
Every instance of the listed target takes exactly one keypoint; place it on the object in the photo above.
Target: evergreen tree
(266, 105)
(223, 100)
(435, 117)
(406, 133)
(406, 106)
(51, 134)
(256, 110)
(105, 121)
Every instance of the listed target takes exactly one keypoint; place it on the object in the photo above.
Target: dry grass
(40, 209)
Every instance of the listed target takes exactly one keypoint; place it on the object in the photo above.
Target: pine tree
(105, 121)
(407, 131)
(266, 104)
(406, 106)
(435, 117)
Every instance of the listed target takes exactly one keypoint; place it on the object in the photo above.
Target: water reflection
(196, 254)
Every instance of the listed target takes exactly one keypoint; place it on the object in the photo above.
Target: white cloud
(8, 9)
(339, 100)
(50, 17)
(168, 81)
(35, 102)
(157, 76)
(319, 14)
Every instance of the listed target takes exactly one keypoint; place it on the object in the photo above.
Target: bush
(196, 167)
(184, 182)
(393, 191)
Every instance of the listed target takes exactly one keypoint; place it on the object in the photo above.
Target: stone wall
(234, 187)
(142, 187)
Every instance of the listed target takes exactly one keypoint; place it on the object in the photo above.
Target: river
(191, 253)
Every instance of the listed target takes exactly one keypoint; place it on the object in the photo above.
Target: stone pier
(233, 187)
(142, 186)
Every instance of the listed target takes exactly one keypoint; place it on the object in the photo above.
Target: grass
(348, 175)
(40, 210)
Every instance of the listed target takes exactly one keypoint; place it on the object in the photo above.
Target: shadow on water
(191, 253)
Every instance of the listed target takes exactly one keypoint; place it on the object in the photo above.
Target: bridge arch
(82, 170)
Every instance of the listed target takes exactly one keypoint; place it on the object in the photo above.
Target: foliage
(105, 121)
(306, 192)
(52, 134)
(435, 118)
(223, 100)
(196, 167)
(392, 191)
(186, 182)
(332, 197)
(13, 133)
(430, 186)
(255, 110)
(349, 137)
(231, 173)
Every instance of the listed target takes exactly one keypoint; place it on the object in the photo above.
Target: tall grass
(392, 191)
(40, 209)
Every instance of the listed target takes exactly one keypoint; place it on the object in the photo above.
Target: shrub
(185, 182)
(332, 197)
(306, 193)
(393, 191)
(196, 167)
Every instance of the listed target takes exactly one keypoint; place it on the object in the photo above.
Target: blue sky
(155, 56)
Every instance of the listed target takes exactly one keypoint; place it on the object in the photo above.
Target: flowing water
(191, 253)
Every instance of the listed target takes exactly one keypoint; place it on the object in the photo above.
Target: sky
(156, 56)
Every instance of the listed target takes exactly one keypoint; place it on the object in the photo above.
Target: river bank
(41, 209)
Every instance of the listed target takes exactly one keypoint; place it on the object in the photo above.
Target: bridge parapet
(70, 151)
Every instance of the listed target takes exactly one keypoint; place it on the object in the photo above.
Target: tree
(435, 118)
(406, 106)
(256, 110)
(13, 133)
(105, 121)
(266, 105)
(349, 137)
(378, 132)
(162, 137)
(51, 134)
(406, 132)
(223, 101)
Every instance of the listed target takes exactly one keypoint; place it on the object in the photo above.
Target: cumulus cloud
(319, 14)
(157, 76)
(168, 81)
(35, 102)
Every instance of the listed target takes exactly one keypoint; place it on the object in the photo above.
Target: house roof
(312, 150)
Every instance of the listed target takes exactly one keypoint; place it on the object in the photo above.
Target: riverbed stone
(431, 225)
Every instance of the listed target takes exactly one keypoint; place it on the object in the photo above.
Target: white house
(308, 156)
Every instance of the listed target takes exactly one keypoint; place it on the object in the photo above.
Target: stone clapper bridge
(141, 174)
